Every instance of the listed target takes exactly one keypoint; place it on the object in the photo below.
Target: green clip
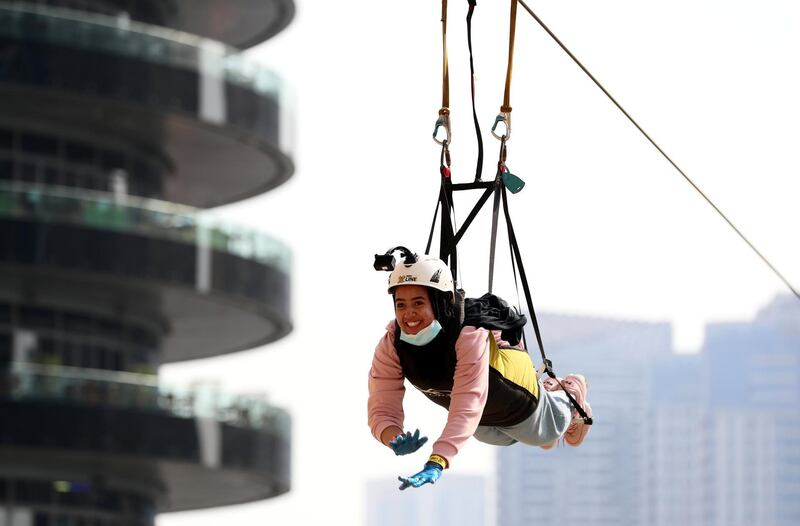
(512, 182)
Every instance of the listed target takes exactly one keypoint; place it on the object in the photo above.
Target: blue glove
(430, 474)
(406, 443)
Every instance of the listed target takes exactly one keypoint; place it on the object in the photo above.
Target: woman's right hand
(406, 443)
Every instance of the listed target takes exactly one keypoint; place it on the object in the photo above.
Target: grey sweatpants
(547, 424)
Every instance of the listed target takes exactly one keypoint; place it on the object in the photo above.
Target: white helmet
(427, 271)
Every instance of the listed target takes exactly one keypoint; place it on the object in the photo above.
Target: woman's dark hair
(442, 303)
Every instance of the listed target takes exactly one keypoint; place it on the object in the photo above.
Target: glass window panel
(74, 499)
(109, 501)
(79, 153)
(117, 363)
(78, 323)
(46, 345)
(51, 175)
(27, 172)
(6, 139)
(109, 328)
(70, 178)
(84, 357)
(94, 182)
(33, 491)
(70, 353)
(5, 350)
(39, 144)
(37, 318)
(113, 160)
(6, 169)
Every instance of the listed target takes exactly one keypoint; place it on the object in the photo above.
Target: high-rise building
(599, 482)
(454, 499)
(120, 122)
(706, 439)
(725, 442)
(676, 486)
(753, 371)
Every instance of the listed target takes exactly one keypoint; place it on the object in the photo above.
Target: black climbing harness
(498, 188)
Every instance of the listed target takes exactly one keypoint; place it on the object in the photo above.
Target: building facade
(706, 439)
(121, 122)
(600, 482)
(753, 371)
(676, 486)
(726, 445)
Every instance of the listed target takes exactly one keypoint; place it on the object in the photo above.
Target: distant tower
(120, 120)
(722, 444)
(753, 460)
(599, 482)
(677, 488)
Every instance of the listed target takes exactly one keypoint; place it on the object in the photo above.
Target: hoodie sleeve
(386, 389)
(470, 391)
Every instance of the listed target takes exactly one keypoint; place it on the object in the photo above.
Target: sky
(606, 226)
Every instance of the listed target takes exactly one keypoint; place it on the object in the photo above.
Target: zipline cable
(617, 104)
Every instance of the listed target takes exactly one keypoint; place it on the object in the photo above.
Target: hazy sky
(607, 227)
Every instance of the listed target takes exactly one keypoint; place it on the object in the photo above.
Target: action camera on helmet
(387, 261)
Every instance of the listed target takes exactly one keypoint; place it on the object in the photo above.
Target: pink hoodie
(470, 389)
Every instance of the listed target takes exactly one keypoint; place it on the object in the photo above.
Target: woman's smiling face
(412, 308)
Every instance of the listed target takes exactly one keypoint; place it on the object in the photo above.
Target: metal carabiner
(442, 121)
(505, 118)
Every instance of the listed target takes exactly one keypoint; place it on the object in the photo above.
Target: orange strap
(506, 107)
(445, 71)
(444, 112)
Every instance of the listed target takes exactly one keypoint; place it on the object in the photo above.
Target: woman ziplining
(469, 359)
(467, 355)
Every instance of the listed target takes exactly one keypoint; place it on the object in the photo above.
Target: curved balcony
(216, 289)
(205, 450)
(239, 23)
(141, 392)
(247, 22)
(206, 109)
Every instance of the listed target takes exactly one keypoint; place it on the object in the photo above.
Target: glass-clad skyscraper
(120, 122)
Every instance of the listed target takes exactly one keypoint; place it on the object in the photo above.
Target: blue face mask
(423, 337)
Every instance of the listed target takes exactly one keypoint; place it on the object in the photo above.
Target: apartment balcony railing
(136, 40)
(124, 390)
(134, 215)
